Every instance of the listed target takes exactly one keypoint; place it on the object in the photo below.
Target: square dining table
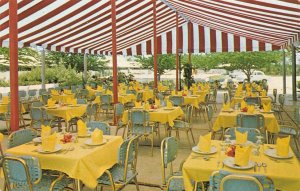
(84, 163)
(285, 173)
(67, 112)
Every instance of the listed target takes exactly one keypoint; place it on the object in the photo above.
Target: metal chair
(278, 107)
(81, 101)
(99, 125)
(177, 100)
(32, 94)
(185, 124)
(22, 95)
(91, 111)
(124, 172)
(24, 173)
(106, 103)
(20, 137)
(38, 117)
(213, 99)
(138, 124)
(253, 100)
(37, 104)
(251, 121)
(118, 111)
(252, 133)
(227, 181)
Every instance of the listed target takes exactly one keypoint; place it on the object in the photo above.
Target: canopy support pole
(114, 50)
(13, 52)
(155, 45)
(43, 70)
(284, 71)
(294, 79)
(177, 55)
(85, 68)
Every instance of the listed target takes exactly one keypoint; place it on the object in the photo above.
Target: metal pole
(13, 54)
(114, 50)
(155, 44)
(284, 72)
(43, 69)
(85, 67)
(294, 73)
(177, 47)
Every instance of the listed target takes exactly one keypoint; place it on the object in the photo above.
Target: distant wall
(5, 75)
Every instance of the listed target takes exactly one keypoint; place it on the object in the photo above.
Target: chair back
(20, 137)
(131, 92)
(209, 112)
(32, 93)
(275, 94)
(139, 96)
(227, 181)
(188, 114)
(253, 100)
(127, 156)
(119, 110)
(250, 121)
(37, 104)
(21, 172)
(105, 99)
(138, 117)
(252, 133)
(177, 100)
(22, 94)
(91, 110)
(281, 99)
(45, 98)
(81, 101)
(168, 151)
(297, 115)
(84, 93)
(225, 97)
(99, 125)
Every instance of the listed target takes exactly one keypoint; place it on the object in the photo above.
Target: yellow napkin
(97, 99)
(68, 92)
(82, 129)
(241, 138)
(71, 101)
(45, 131)
(49, 142)
(204, 143)
(157, 102)
(1, 137)
(242, 155)
(226, 106)
(179, 93)
(146, 106)
(88, 87)
(173, 92)
(249, 93)
(99, 88)
(283, 146)
(238, 93)
(264, 93)
(267, 107)
(138, 104)
(5, 99)
(50, 102)
(54, 92)
(109, 92)
(97, 136)
(169, 104)
(243, 104)
(251, 109)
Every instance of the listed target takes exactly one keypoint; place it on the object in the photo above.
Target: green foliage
(3, 83)
(164, 62)
(187, 74)
(202, 61)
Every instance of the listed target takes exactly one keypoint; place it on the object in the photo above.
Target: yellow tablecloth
(67, 112)
(194, 100)
(92, 92)
(125, 98)
(3, 108)
(62, 98)
(264, 100)
(285, 176)
(83, 163)
(226, 119)
(160, 115)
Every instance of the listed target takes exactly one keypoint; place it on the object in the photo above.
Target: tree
(164, 62)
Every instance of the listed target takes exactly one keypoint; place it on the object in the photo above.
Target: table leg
(78, 184)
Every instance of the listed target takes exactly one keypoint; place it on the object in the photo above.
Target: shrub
(4, 83)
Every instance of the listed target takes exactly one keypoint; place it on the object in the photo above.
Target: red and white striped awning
(83, 26)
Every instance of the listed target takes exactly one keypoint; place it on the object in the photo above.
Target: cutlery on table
(258, 165)
(265, 166)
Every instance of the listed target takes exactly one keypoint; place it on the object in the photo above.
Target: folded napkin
(238, 93)
(45, 131)
(1, 137)
(109, 92)
(68, 92)
(97, 99)
(169, 104)
(251, 109)
(99, 88)
(138, 104)
(283, 146)
(146, 106)
(88, 87)
(179, 93)
(54, 92)
(240, 88)
(82, 129)
(204, 143)
(241, 138)
(51, 102)
(226, 106)
(258, 88)
(49, 142)
(5, 99)
(264, 93)
(242, 155)
(267, 107)
(249, 93)
(173, 92)
(97, 136)
(157, 102)
(243, 104)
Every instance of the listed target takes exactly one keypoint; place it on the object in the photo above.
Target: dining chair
(139, 124)
(227, 181)
(253, 100)
(256, 121)
(32, 94)
(37, 104)
(38, 117)
(278, 107)
(81, 101)
(91, 111)
(106, 103)
(131, 92)
(124, 172)
(184, 124)
(24, 173)
(177, 100)
(20, 137)
(22, 95)
(139, 96)
(45, 98)
(252, 133)
(213, 99)
(104, 127)
(118, 111)
(73, 89)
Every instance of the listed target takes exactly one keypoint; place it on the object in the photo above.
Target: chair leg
(192, 135)
(136, 184)
(152, 143)
(296, 143)
(187, 136)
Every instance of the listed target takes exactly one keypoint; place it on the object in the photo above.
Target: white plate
(89, 142)
(233, 142)
(262, 111)
(169, 108)
(53, 107)
(57, 148)
(87, 135)
(73, 105)
(227, 110)
(273, 153)
(213, 150)
(37, 140)
(230, 162)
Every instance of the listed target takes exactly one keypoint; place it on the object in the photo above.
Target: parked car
(256, 76)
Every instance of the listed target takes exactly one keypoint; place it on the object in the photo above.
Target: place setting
(281, 152)
(204, 148)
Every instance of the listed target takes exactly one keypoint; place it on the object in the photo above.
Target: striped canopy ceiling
(84, 26)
